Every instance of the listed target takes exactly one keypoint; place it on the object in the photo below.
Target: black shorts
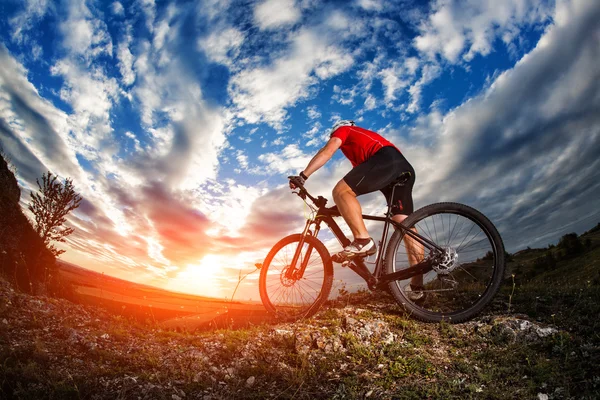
(378, 172)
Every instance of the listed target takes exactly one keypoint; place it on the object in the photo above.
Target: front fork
(296, 271)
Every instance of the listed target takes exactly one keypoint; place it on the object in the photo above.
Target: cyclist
(376, 164)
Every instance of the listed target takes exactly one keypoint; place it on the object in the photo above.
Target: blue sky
(179, 121)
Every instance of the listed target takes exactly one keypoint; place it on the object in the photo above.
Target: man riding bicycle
(376, 163)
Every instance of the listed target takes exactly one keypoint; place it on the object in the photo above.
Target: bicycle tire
(470, 271)
(272, 271)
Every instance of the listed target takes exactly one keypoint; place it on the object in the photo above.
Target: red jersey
(359, 144)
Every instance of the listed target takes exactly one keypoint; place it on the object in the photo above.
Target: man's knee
(340, 188)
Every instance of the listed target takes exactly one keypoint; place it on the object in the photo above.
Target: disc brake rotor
(446, 262)
(285, 281)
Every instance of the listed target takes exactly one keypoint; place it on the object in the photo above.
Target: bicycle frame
(377, 278)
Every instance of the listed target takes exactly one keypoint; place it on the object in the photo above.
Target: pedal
(341, 259)
(345, 263)
(338, 258)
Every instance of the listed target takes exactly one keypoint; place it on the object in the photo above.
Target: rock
(250, 381)
(542, 396)
(284, 332)
(510, 330)
(543, 332)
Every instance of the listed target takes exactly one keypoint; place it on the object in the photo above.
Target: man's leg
(350, 209)
(414, 250)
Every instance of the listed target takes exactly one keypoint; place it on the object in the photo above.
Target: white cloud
(263, 94)
(126, 60)
(25, 20)
(242, 158)
(429, 73)
(90, 93)
(394, 79)
(84, 35)
(344, 96)
(313, 113)
(117, 8)
(222, 46)
(273, 14)
(370, 102)
(149, 9)
(290, 159)
(371, 5)
(472, 25)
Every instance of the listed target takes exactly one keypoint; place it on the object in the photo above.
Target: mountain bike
(452, 250)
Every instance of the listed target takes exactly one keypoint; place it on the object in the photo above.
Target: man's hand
(296, 181)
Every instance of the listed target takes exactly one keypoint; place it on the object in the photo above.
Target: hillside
(116, 339)
(144, 302)
(534, 341)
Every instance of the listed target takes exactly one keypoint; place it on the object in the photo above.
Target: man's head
(339, 124)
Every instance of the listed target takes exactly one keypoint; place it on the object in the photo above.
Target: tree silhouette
(50, 205)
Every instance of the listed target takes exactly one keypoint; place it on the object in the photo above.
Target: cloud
(126, 59)
(370, 5)
(222, 46)
(313, 113)
(455, 26)
(263, 94)
(117, 8)
(83, 34)
(290, 159)
(26, 18)
(273, 14)
(33, 128)
(180, 228)
(396, 77)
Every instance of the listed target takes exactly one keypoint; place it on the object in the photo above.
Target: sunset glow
(201, 279)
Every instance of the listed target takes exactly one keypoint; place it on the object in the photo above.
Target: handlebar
(319, 201)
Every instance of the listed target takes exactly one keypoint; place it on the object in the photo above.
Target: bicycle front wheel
(465, 276)
(288, 295)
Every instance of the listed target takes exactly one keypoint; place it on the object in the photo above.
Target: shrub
(571, 244)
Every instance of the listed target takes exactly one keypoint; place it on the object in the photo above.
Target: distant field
(147, 302)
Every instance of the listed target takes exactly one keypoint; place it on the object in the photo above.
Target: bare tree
(50, 205)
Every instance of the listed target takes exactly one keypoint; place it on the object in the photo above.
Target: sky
(179, 121)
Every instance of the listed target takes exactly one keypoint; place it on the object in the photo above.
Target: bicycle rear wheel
(296, 297)
(464, 281)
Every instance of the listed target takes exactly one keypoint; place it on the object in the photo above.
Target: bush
(571, 244)
(547, 261)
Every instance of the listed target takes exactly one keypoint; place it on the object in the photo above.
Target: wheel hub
(285, 279)
(446, 262)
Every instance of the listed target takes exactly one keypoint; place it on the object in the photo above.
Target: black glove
(297, 180)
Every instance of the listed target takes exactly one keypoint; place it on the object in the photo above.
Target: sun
(203, 279)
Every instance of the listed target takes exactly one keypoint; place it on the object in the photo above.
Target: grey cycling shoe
(414, 292)
(355, 249)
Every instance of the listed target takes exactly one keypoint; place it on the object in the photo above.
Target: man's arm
(323, 156)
